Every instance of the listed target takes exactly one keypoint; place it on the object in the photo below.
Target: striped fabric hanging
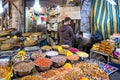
(105, 17)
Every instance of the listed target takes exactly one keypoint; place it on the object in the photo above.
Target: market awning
(105, 17)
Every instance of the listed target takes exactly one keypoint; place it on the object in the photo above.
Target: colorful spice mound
(43, 62)
(46, 47)
(31, 78)
(73, 50)
(64, 51)
(65, 46)
(59, 59)
(51, 53)
(23, 66)
(82, 54)
(73, 57)
(36, 55)
(4, 71)
(48, 74)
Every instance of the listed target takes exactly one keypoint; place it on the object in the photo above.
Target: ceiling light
(112, 2)
(1, 8)
(58, 7)
(37, 6)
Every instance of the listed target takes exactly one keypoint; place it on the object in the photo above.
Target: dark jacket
(66, 35)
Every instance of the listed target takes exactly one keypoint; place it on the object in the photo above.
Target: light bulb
(58, 7)
(1, 9)
(37, 7)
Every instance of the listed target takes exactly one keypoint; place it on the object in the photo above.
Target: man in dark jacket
(65, 33)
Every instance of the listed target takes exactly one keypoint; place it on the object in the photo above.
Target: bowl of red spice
(43, 64)
(74, 50)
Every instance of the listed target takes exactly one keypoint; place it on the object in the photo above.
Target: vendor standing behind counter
(83, 41)
(65, 33)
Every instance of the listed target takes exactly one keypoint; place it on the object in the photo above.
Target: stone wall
(17, 18)
(85, 16)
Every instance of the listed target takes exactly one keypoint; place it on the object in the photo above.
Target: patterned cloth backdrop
(105, 17)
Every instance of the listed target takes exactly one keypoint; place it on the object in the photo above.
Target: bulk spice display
(37, 54)
(55, 64)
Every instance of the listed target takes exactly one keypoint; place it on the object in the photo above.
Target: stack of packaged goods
(96, 46)
(107, 47)
(116, 56)
(102, 46)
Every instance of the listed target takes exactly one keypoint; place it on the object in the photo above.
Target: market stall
(109, 48)
(58, 62)
(25, 55)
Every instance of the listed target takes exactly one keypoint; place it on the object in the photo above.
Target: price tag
(69, 53)
(60, 48)
(15, 37)
(21, 53)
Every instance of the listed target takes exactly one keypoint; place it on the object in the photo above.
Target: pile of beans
(23, 66)
(74, 50)
(73, 57)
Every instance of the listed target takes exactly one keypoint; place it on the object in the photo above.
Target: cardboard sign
(72, 12)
